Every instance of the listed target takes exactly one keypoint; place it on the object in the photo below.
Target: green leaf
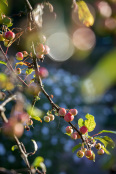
(67, 134)
(14, 147)
(29, 71)
(107, 131)
(90, 123)
(76, 147)
(106, 141)
(37, 161)
(36, 118)
(80, 122)
(5, 2)
(2, 62)
(34, 113)
(93, 156)
(105, 150)
(10, 25)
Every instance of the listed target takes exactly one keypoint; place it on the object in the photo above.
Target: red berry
(9, 35)
(88, 153)
(80, 153)
(83, 130)
(68, 117)
(69, 130)
(74, 136)
(91, 158)
(43, 72)
(40, 48)
(47, 49)
(73, 111)
(19, 56)
(62, 112)
(100, 152)
(78, 136)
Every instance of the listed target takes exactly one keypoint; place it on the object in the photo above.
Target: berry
(40, 48)
(74, 136)
(46, 118)
(9, 35)
(88, 153)
(73, 111)
(25, 53)
(80, 153)
(91, 158)
(39, 55)
(18, 129)
(43, 72)
(47, 49)
(98, 146)
(78, 136)
(100, 152)
(62, 112)
(69, 130)
(68, 117)
(19, 56)
(51, 117)
(18, 70)
(83, 130)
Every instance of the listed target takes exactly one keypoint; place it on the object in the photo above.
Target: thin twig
(11, 68)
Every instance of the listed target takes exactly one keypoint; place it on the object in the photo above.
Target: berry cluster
(49, 118)
(41, 49)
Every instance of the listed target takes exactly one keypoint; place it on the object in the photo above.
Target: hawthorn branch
(39, 81)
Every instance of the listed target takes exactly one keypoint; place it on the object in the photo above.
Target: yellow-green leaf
(84, 13)
(80, 122)
(90, 122)
(106, 141)
(14, 147)
(34, 113)
(37, 161)
(107, 131)
(36, 118)
(29, 71)
(105, 150)
(2, 62)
